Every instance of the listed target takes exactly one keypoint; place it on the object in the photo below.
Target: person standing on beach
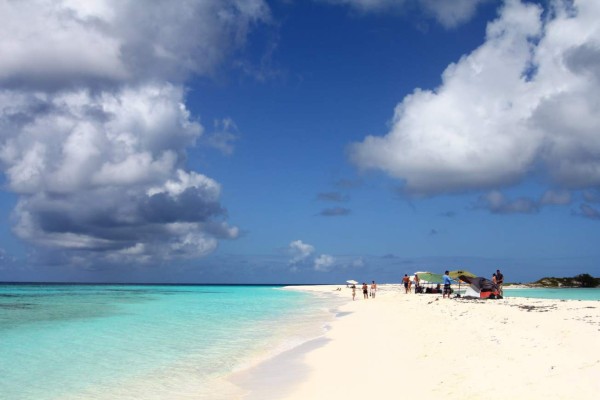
(353, 292)
(447, 283)
(499, 281)
(417, 283)
(405, 281)
(373, 289)
(365, 291)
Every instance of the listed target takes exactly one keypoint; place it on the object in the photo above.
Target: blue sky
(298, 141)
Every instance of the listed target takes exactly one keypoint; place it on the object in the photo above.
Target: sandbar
(401, 345)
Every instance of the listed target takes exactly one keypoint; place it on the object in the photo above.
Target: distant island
(579, 281)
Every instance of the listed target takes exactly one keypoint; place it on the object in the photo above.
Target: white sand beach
(405, 345)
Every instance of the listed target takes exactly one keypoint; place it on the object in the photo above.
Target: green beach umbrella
(430, 277)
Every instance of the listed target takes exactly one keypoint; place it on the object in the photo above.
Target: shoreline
(423, 345)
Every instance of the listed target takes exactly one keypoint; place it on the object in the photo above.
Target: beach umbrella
(458, 272)
(352, 282)
(430, 277)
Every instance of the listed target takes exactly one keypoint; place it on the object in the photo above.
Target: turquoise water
(121, 342)
(558, 293)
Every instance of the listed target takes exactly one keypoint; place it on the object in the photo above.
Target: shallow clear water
(101, 341)
(558, 293)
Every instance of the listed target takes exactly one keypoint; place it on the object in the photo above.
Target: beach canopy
(479, 283)
(430, 277)
(458, 272)
(352, 282)
(480, 287)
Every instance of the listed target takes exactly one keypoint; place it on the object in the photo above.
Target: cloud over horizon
(94, 128)
(523, 103)
(448, 13)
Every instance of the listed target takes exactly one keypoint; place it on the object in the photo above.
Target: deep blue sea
(558, 293)
(145, 342)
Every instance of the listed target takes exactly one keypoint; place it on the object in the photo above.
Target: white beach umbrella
(352, 282)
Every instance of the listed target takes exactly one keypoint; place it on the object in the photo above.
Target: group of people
(407, 282)
(497, 279)
(365, 290)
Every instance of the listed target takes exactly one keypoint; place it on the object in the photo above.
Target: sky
(298, 141)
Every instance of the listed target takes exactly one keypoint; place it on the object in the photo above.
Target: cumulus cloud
(222, 136)
(449, 13)
(553, 197)
(94, 128)
(301, 254)
(524, 102)
(53, 44)
(497, 203)
(358, 263)
(300, 251)
(324, 262)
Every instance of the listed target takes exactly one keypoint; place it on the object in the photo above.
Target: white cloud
(223, 136)
(60, 43)
(94, 128)
(497, 203)
(553, 197)
(358, 263)
(323, 263)
(524, 100)
(300, 251)
(449, 13)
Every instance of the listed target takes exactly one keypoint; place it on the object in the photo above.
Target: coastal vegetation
(581, 280)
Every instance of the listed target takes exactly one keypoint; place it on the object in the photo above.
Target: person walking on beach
(417, 284)
(373, 289)
(447, 283)
(405, 281)
(499, 281)
(353, 292)
(365, 291)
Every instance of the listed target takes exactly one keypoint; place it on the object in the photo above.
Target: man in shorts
(447, 283)
(499, 281)
(405, 281)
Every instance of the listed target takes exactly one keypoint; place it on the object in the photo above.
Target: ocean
(555, 293)
(146, 342)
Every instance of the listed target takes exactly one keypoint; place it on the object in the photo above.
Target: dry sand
(406, 345)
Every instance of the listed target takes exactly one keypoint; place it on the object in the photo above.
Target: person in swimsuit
(353, 292)
(405, 281)
(365, 291)
(373, 289)
(417, 284)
